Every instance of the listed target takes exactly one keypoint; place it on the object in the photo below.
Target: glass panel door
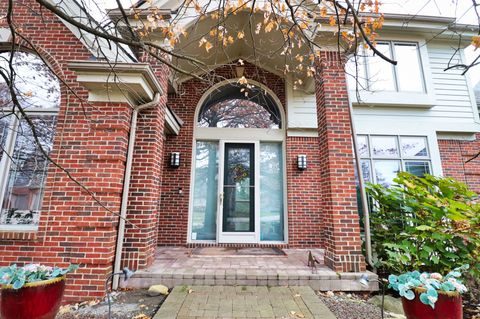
(239, 188)
(271, 192)
(205, 192)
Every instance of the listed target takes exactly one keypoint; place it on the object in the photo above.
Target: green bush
(428, 224)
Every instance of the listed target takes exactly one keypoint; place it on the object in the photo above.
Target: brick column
(145, 185)
(74, 227)
(338, 203)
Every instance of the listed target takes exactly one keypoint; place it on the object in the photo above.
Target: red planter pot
(37, 300)
(446, 307)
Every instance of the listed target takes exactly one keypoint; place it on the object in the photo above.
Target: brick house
(195, 163)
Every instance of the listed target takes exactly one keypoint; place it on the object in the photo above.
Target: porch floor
(176, 266)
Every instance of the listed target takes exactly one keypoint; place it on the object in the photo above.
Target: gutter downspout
(126, 186)
(364, 200)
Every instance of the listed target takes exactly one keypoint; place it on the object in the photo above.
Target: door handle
(220, 197)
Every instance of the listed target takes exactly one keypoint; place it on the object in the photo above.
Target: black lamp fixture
(175, 159)
(302, 162)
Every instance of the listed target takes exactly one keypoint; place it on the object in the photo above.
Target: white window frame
(6, 162)
(424, 99)
(391, 44)
(239, 135)
(399, 158)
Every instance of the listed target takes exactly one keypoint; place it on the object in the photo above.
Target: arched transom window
(236, 106)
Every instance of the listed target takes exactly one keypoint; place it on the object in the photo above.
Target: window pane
(380, 72)
(239, 188)
(35, 85)
(384, 146)
(271, 192)
(239, 106)
(27, 174)
(366, 171)
(413, 146)
(367, 177)
(418, 168)
(355, 71)
(4, 122)
(237, 113)
(362, 146)
(409, 69)
(204, 213)
(386, 171)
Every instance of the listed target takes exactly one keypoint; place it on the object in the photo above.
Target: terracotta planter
(37, 300)
(448, 306)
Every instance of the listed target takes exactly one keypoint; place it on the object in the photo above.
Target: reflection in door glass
(238, 204)
(204, 213)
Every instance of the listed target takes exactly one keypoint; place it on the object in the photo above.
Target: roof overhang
(133, 83)
(441, 28)
(121, 82)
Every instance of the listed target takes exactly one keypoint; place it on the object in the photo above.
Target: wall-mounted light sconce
(302, 161)
(175, 159)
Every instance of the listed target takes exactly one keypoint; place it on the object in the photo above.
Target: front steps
(175, 266)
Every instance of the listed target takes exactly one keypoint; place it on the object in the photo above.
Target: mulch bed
(471, 300)
(350, 306)
(127, 304)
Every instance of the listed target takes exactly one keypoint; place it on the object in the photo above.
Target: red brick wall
(455, 154)
(90, 143)
(305, 218)
(338, 203)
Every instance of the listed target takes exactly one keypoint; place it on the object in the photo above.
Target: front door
(237, 204)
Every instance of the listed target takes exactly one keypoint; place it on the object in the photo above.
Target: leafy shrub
(425, 223)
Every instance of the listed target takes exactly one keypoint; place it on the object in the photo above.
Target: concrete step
(323, 279)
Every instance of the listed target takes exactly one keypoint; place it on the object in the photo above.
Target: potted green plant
(33, 291)
(430, 295)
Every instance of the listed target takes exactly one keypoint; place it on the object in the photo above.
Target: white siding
(453, 109)
(302, 109)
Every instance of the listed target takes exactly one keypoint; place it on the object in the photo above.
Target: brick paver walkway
(242, 302)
